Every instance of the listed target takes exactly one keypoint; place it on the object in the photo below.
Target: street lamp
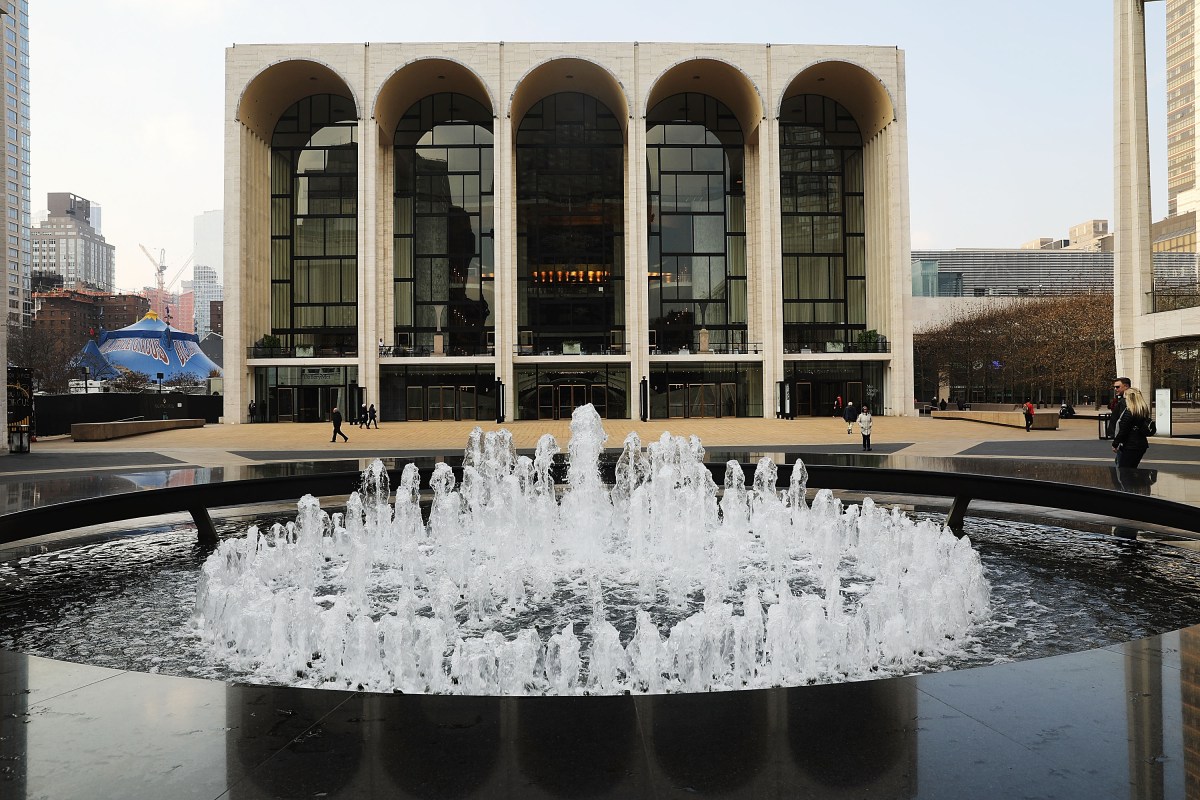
(86, 381)
(160, 379)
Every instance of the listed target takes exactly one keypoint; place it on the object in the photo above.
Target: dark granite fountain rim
(981, 732)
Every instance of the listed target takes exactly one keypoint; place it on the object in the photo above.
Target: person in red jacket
(1028, 409)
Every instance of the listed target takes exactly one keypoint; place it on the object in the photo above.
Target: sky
(1009, 105)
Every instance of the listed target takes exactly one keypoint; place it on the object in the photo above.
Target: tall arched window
(697, 231)
(570, 233)
(314, 230)
(824, 244)
(443, 272)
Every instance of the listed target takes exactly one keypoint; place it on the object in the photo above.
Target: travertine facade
(385, 80)
(1135, 325)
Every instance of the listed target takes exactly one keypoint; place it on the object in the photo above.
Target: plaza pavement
(225, 445)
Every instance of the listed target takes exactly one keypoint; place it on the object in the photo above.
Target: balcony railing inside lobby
(303, 351)
(794, 347)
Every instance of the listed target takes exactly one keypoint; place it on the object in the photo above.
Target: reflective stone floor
(1116, 722)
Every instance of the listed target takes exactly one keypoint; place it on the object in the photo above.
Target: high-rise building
(1155, 326)
(1181, 101)
(206, 285)
(207, 254)
(66, 243)
(14, 21)
(183, 310)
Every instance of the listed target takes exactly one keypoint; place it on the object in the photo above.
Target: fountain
(659, 583)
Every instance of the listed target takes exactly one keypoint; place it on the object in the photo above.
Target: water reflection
(1049, 727)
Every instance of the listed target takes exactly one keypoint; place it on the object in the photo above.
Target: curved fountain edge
(961, 487)
(982, 732)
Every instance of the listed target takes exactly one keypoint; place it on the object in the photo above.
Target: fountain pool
(658, 583)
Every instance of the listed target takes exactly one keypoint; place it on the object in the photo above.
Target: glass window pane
(708, 159)
(709, 233)
(676, 233)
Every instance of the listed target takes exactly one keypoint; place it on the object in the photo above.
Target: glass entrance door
(702, 400)
(441, 402)
(467, 402)
(676, 401)
(802, 399)
(545, 394)
(559, 401)
(285, 404)
(570, 397)
(854, 391)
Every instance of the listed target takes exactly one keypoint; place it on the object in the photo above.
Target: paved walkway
(231, 445)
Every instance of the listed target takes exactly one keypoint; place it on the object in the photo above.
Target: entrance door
(545, 401)
(727, 393)
(702, 400)
(467, 402)
(802, 399)
(854, 391)
(308, 404)
(677, 401)
(600, 399)
(441, 402)
(570, 397)
(285, 402)
(414, 403)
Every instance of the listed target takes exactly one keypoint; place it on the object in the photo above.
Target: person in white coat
(864, 427)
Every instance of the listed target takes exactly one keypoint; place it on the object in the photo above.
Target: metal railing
(1175, 298)
(302, 351)
(881, 345)
(961, 487)
(427, 351)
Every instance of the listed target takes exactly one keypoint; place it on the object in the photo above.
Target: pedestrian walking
(1029, 411)
(336, 418)
(252, 411)
(864, 427)
(371, 420)
(837, 406)
(850, 416)
(1134, 428)
(1117, 405)
(362, 415)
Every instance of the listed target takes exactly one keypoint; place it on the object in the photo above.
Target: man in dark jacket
(336, 416)
(1117, 405)
(850, 415)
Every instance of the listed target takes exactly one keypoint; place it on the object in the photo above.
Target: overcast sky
(1009, 105)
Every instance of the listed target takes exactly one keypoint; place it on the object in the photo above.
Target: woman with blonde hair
(1134, 426)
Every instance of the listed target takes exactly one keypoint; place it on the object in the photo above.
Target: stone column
(1133, 265)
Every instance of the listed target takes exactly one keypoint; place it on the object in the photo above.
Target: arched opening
(570, 188)
(822, 224)
(444, 256)
(314, 226)
(697, 225)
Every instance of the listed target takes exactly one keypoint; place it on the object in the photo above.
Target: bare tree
(1047, 348)
(49, 358)
(130, 381)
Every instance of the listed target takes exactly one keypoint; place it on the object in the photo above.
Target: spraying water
(659, 583)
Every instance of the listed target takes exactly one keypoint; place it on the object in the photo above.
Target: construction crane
(169, 285)
(160, 269)
(179, 273)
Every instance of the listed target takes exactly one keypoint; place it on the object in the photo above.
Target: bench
(1046, 420)
(103, 431)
